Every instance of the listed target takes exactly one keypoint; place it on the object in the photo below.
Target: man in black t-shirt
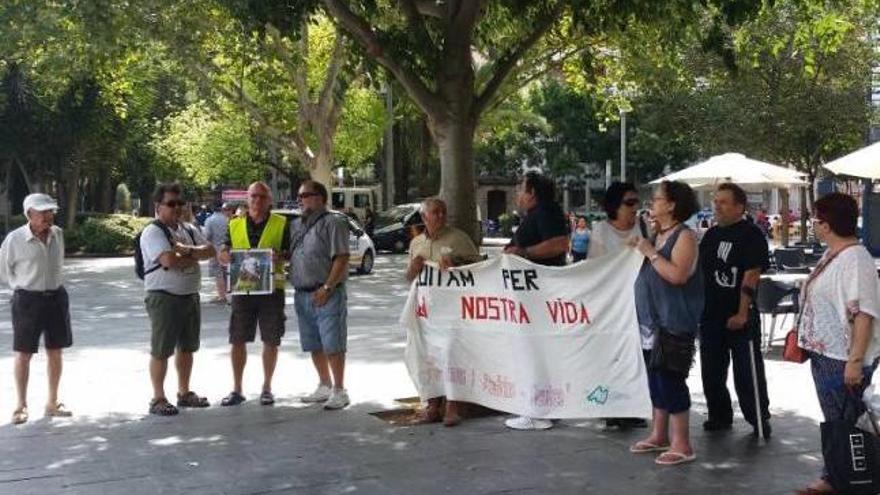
(732, 256)
(542, 237)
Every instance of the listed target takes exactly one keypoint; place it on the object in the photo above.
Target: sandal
(266, 398)
(191, 399)
(161, 407)
(233, 399)
(820, 487)
(19, 416)
(674, 458)
(643, 447)
(58, 411)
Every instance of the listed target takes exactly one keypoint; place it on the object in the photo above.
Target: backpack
(139, 255)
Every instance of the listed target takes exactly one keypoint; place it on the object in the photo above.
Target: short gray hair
(433, 200)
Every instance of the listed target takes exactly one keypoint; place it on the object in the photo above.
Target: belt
(313, 289)
(42, 293)
(165, 292)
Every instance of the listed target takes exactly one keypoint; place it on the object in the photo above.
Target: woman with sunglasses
(840, 304)
(610, 236)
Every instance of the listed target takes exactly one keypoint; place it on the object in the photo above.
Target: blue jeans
(828, 378)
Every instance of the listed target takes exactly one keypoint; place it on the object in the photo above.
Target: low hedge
(104, 233)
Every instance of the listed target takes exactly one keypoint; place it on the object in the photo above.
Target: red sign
(234, 195)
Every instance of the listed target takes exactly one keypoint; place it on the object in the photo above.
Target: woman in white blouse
(610, 236)
(841, 303)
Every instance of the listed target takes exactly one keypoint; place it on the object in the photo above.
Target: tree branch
(509, 61)
(304, 97)
(238, 95)
(332, 78)
(517, 85)
(415, 22)
(429, 8)
(363, 33)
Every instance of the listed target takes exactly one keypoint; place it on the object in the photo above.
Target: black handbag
(672, 352)
(851, 454)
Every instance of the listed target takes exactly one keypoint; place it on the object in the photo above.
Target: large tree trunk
(783, 216)
(71, 195)
(455, 142)
(322, 171)
(402, 164)
(426, 175)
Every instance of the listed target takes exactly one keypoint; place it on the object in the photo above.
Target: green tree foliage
(210, 150)
(790, 87)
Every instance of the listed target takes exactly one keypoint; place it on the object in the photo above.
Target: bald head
(259, 201)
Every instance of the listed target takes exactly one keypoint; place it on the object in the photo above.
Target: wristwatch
(327, 288)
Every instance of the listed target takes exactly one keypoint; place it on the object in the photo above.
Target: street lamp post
(623, 146)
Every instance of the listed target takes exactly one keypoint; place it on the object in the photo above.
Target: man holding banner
(541, 342)
(542, 237)
(447, 246)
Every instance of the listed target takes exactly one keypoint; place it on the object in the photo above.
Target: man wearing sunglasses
(172, 278)
(258, 229)
(318, 269)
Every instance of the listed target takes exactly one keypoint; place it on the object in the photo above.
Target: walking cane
(758, 413)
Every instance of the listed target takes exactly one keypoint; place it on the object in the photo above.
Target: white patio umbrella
(862, 163)
(736, 168)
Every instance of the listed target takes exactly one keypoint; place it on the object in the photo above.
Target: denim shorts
(322, 329)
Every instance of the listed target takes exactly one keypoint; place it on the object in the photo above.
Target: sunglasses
(174, 203)
(305, 195)
(631, 202)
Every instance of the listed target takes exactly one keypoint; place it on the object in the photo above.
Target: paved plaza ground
(112, 446)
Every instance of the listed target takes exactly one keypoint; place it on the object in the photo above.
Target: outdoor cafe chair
(775, 298)
(790, 260)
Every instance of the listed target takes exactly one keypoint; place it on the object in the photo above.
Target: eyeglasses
(304, 195)
(174, 203)
(631, 202)
(256, 195)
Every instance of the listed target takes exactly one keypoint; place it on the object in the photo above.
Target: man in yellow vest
(259, 229)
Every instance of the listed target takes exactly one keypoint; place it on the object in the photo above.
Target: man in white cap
(31, 261)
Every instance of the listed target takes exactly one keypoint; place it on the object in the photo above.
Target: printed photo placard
(250, 272)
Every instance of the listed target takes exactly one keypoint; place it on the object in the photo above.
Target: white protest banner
(539, 341)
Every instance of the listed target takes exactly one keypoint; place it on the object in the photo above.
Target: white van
(357, 199)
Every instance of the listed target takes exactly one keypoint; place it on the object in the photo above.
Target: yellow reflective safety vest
(271, 238)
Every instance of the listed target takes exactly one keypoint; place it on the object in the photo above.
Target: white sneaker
(321, 394)
(338, 399)
(524, 423)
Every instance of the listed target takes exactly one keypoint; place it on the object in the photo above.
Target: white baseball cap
(39, 202)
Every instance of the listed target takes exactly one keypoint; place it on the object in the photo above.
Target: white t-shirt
(176, 281)
(607, 239)
(847, 286)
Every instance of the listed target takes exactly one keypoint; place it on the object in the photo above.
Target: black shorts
(247, 311)
(35, 313)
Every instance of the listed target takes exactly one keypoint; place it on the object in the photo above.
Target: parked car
(396, 227)
(363, 251)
